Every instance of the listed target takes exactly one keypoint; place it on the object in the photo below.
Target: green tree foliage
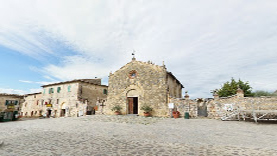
(259, 93)
(230, 88)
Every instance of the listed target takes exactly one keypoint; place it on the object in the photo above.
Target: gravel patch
(132, 135)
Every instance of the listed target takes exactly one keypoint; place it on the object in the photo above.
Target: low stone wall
(184, 105)
(215, 107)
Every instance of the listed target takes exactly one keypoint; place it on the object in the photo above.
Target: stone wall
(93, 94)
(184, 105)
(174, 87)
(32, 105)
(215, 107)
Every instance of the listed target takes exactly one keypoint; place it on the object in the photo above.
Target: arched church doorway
(132, 102)
(132, 105)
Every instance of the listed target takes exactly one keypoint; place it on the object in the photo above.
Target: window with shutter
(59, 89)
(105, 91)
(69, 88)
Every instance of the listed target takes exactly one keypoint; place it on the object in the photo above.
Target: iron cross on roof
(133, 53)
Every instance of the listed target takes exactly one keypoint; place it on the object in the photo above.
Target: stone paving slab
(112, 135)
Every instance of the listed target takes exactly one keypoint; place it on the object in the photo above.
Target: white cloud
(35, 90)
(18, 91)
(26, 81)
(39, 82)
(77, 67)
(12, 91)
(204, 43)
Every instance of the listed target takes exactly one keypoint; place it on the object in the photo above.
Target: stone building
(32, 106)
(142, 83)
(72, 98)
(10, 106)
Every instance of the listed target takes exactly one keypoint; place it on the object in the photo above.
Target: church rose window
(132, 74)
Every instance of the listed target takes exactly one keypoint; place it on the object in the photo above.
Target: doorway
(49, 113)
(132, 105)
(62, 112)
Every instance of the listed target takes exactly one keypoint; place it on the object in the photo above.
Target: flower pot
(176, 115)
(117, 113)
(146, 114)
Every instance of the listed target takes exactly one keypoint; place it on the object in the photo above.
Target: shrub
(116, 108)
(146, 108)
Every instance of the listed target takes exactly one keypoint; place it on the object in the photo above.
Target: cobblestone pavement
(129, 135)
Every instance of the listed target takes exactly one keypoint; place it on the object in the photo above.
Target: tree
(230, 88)
(259, 93)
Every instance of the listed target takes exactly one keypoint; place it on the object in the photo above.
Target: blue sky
(203, 43)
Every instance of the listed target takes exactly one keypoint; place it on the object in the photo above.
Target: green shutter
(16, 102)
(68, 88)
(59, 89)
(105, 91)
(50, 90)
(7, 102)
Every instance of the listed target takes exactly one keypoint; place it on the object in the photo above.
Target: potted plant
(147, 109)
(176, 114)
(116, 109)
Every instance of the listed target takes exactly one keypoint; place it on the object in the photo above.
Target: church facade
(142, 83)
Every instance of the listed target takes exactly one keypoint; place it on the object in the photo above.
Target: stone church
(142, 83)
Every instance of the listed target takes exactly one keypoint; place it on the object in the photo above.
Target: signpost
(49, 105)
(10, 106)
(228, 107)
(171, 107)
(102, 107)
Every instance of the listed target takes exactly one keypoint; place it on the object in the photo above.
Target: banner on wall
(170, 105)
(228, 107)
